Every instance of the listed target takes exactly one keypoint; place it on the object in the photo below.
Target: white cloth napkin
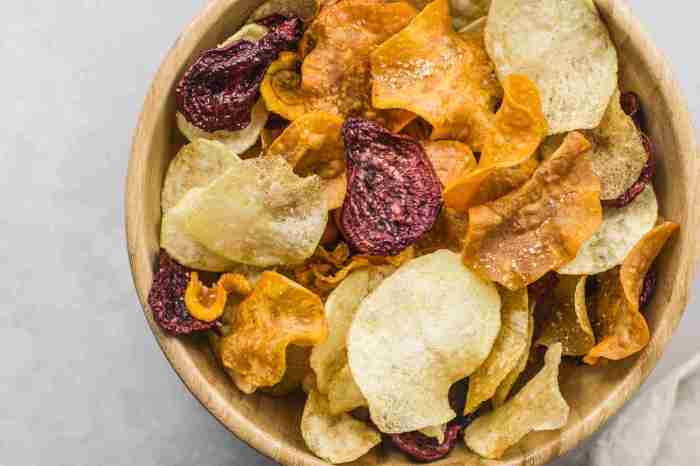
(660, 427)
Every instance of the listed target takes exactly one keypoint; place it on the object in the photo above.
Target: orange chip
(430, 70)
(335, 75)
(313, 145)
(621, 329)
(208, 304)
(518, 238)
(507, 159)
(451, 160)
(278, 313)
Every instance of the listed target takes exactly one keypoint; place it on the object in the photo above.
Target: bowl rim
(237, 423)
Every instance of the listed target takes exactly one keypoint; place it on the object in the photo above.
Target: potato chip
(278, 313)
(507, 350)
(336, 439)
(343, 393)
(520, 237)
(507, 159)
(564, 47)
(335, 78)
(306, 10)
(330, 355)
(465, 12)
(565, 318)
(451, 159)
(430, 70)
(432, 323)
(621, 229)
(538, 406)
(259, 213)
(507, 384)
(313, 145)
(297, 369)
(620, 328)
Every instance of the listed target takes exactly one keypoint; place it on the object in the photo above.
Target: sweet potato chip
(565, 318)
(507, 159)
(430, 70)
(313, 145)
(297, 369)
(336, 439)
(335, 76)
(520, 237)
(208, 304)
(432, 323)
(259, 213)
(278, 313)
(620, 328)
(306, 10)
(343, 393)
(565, 48)
(507, 384)
(622, 228)
(538, 406)
(509, 347)
(451, 159)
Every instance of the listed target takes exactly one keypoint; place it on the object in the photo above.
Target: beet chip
(167, 299)
(426, 449)
(220, 88)
(394, 194)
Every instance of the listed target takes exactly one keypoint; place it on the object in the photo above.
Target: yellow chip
(565, 317)
(507, 384)
(433, 72)
(619, 326)
(509, 347)
(278, 313)
(343, 393)
(538, 406)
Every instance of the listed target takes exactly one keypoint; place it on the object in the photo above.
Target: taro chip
(430, 70)
(306, 10)
(451, 159)
(259, 213)
(622, 228)
(520, 237)
(564, 47)
(278, 313)
(507, 160)
(313, 145)
(507, 384)
(509, 347)
(620, 328)
(538, 406)
(565, 318)
(335, 438)
(335, 78)
(343, 393)
(433, 322)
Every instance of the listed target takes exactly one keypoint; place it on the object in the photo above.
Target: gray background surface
(82, 381)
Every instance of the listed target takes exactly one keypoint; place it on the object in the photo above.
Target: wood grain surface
(271, 425)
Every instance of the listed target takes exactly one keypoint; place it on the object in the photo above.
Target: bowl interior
(271, 424)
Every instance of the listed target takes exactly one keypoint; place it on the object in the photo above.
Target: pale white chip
(259, 213)
(620, 231)
(432, 323)
(336, 439)
(464, 12)
(564, 47)
(329, 356)
(196, 165)
(249, 32)
(538, 406)
(436, 432)
(343, 393)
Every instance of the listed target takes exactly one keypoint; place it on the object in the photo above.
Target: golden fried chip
(343, 393)
(430, 70)
(451, 159)
(259, 213)
(507, 384)
(335, 75)
(278, 313)
(336, 439)
(306, 10)
(432, 323)
(298, 368)
(538, 406)
(565, 317)
(565, 48)
(509, 347)
(313, 145)
(619, 326)
(518, 238)
(507, 159)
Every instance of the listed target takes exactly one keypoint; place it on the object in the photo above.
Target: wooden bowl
(272, 425)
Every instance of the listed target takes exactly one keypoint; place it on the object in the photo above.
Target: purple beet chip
(426, 449)
(221, 87)
(393, 195)
(167, 299)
